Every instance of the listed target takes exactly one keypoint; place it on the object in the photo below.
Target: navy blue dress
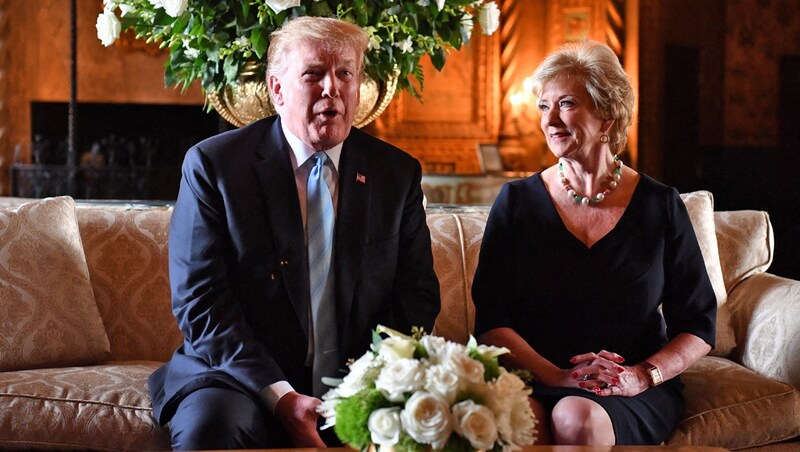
(642, 284)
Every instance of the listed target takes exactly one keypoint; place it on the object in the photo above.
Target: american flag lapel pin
(361, 178)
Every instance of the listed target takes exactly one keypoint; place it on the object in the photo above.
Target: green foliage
(352, 415)
(212, 40)
(407, 444)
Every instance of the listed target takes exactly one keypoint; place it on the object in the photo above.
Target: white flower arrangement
(213, 41)
(421, 392)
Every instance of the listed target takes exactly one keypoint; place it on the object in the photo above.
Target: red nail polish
(574, 374)
(614, 381)
(620, 369)
(582, 384)
(598, 391)
(620, 359)
(573, 360)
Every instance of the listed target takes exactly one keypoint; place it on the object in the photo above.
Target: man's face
(317, 94)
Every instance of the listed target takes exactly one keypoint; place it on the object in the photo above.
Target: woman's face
(569, 119)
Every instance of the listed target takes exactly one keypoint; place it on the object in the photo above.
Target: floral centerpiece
(421, 392)
(213, 41)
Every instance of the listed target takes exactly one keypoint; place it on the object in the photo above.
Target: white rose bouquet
(420, 392)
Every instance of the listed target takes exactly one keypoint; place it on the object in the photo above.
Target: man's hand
(298, 413)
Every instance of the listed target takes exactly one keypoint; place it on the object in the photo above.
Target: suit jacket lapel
(351, 225)
(278, 186)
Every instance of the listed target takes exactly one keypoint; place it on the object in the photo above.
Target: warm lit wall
(469, 103)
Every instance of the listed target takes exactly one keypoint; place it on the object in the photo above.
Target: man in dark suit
(238, 252)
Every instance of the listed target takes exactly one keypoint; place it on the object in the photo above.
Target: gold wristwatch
(654, 373)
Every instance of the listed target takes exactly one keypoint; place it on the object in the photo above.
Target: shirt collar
(302, 152)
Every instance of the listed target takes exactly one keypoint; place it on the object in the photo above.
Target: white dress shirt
(300, 154)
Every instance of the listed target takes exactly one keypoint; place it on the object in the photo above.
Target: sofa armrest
(765, 312)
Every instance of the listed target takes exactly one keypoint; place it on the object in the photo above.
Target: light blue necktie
(320, 220)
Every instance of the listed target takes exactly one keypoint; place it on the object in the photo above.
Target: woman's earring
(604, 138)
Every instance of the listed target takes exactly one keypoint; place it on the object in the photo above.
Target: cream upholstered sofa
(85, 318)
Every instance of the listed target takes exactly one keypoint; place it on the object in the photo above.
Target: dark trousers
(222, 418)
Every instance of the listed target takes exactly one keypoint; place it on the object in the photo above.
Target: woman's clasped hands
(604, 374)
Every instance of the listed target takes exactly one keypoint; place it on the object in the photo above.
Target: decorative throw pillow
(700, 205)
(745, 242)
(48, 315)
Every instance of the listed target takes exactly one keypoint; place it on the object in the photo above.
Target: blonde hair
(333, 34)
(597, 68)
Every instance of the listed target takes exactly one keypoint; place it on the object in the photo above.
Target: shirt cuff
(272, 393)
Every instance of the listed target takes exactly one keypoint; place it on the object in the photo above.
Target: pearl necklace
(585, 200)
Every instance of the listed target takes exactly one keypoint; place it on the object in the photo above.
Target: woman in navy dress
(590, 272)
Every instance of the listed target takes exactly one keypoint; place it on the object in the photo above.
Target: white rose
(440, 381)
(394, 348)
(489, 18)
(427, 419)
(384, 426)
(400, 377)
(508, 385)
(280, 5)
(175, 7)
(471, 370)
(108, 28)
(440, 4)
(475, 423)
(434, 346)
(157, 3)
(356, 378)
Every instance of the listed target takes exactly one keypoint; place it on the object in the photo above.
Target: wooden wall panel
(459, 110)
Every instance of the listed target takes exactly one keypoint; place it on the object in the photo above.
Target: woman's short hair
(597, 67)
(333, 34)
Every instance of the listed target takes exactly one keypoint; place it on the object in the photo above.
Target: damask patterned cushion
(766, 314)
(700, 205)
(105, 407)
(746, 244)
(126, 248)
(730, 406)
(48, 315)
(456, 241)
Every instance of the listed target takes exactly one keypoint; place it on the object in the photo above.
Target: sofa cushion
(730, 406)
(104, 407)
(48, 315)
(700, 205)
(126, 248)
(745, 243)
(456, 240)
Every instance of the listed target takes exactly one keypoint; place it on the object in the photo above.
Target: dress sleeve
(688, 303)
(495, 276)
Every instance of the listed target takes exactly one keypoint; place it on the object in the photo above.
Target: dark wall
(721, 105)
